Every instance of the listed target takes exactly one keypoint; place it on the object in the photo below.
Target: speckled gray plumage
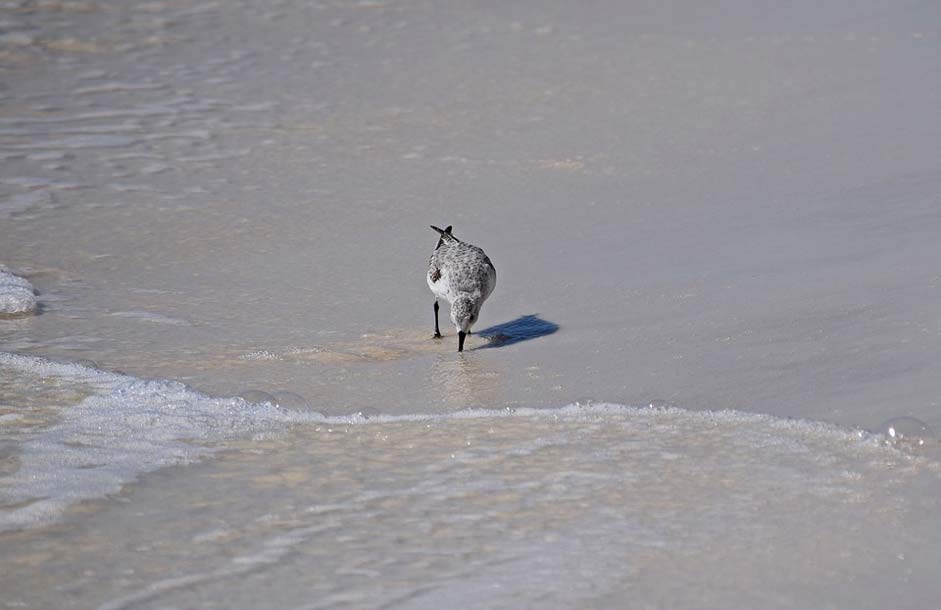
(463, 274)
(469, 266)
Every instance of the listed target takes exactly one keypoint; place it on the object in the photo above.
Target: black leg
(460, 341)
(437, 332)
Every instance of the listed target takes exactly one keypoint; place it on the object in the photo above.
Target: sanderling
(462, 274)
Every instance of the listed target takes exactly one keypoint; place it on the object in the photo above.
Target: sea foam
(110, 428)
(16, 293)
(123, 427)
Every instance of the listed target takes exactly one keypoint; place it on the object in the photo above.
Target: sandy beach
(728, 213)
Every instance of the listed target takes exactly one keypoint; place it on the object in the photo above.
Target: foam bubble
(907, 433)
(16, 294)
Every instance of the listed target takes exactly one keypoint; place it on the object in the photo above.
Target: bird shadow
(521, 329)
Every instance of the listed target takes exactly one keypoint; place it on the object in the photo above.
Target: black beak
(460, 340)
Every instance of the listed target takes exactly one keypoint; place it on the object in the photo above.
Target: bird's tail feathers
(445, 235)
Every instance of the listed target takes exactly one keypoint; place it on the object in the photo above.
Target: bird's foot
(437, 335)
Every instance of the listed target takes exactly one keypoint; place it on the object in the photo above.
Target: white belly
(440, 288)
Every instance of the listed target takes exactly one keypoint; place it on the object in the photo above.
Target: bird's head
(464, 312)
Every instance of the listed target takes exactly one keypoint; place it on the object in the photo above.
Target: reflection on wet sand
(402, 343)
(464, 381)
(341, 375)
(375, 346)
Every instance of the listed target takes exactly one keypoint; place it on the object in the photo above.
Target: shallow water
(532, 508)
(486, 509)
(728, 211)
(73, 433)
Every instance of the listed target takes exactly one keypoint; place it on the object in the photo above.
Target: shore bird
(462, 274)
